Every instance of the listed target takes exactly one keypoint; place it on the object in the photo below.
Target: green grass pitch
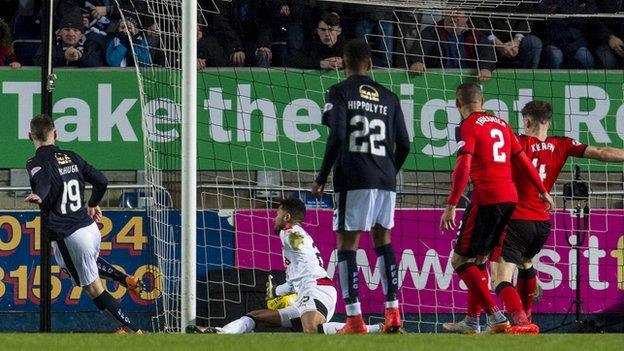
(296, 342)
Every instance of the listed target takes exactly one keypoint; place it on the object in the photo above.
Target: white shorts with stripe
(321, 298)
(77, 254)
(361, 209)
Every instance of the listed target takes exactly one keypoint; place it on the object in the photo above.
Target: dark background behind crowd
(310, 35)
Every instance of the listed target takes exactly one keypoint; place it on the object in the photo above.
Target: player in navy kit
(367, 145)
(487, 148)
(57, 180)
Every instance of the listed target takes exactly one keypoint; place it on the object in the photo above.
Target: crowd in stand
(310, 35)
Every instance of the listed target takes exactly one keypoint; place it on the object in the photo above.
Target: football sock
(478, 285)
(107, 271)
(389, 274)
(353, 309)
(527, 286)
(483, 268)
(107, 304)
(333, 327)
(244, 324)
(348, 272)
(508, 294)
(474, 308)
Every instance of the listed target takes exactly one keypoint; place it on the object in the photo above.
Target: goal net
(259, 138)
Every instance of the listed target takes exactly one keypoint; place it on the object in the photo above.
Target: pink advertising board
(428, 284)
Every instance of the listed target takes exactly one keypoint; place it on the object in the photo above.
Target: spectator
(610, 32)
(325, 51)
(511, 37)
(453, 43)
(7, 56)
(119, 51)
(289, 33)
(72, 47)
(245, 29)
(209, 52)
(374, 24)
(102, 17)
(564, 38)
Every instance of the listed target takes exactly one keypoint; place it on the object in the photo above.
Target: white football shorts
(361, 209)
(321, 298)
(77, 254)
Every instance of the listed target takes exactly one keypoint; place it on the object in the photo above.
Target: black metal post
(45, 284)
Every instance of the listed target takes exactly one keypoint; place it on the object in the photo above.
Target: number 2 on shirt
(499, 156)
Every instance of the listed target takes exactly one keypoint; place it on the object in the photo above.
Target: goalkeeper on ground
(307, 300)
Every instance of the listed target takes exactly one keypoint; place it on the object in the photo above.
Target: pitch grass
(296, 342)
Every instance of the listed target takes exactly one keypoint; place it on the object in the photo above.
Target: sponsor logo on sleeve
(34, 171)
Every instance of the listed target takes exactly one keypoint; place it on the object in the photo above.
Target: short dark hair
(357, 54)
(538, 111)
(41, 126)
(469, 93)
(331, 19)
(295, 207)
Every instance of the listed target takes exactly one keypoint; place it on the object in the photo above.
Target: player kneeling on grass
(316, 296)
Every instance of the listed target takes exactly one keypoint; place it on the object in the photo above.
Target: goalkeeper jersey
(302, 259)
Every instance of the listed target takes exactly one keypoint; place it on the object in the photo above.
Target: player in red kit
(529, 226)
(487, 148)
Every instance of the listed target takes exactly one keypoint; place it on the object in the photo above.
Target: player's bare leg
(348, 242)
(108, 271)
(389, 277)
(107, 304)
(506, 291)
(312, 322)
(473, 276)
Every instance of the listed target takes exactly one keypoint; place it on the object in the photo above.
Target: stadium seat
(26, 34)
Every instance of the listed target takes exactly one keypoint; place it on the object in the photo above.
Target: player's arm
(402, 138)
(95, 178)
(604, 154)
(99, 182)
(284, 289)
(461, 174)
(40, 183)
(333, 117)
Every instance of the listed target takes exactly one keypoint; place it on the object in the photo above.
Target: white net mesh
(259, 138)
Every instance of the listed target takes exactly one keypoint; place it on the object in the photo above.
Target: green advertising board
(271, 120)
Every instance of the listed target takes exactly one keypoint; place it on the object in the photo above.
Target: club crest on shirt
(368, 92)
(62, 159)
(295, 239)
